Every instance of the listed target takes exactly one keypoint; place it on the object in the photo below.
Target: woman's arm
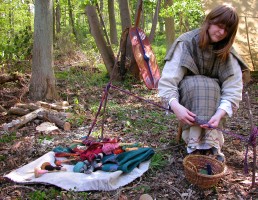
(231, 90)
(172, 74)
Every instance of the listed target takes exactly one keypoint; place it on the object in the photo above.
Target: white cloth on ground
(69, 180)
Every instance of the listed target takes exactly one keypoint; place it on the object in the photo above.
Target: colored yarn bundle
(46, 167)
(87, 167)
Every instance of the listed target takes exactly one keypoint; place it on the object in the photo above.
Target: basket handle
(193, 166)
(196, 179)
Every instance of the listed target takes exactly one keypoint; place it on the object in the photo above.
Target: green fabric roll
(127, 161)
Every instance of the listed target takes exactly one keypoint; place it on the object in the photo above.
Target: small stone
(145, 197)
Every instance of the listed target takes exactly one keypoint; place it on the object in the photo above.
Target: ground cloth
(98, 180)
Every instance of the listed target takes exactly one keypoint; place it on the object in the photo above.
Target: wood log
(15, 124)
(59, 114)
(57, 106)
(47, 115)
(30, 106)
(18, 111)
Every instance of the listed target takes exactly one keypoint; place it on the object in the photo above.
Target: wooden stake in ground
(253, 142)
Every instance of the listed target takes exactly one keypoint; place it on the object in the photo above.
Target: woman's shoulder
(189, 35)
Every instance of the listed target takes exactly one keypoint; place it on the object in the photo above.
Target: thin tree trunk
(112, 22)
(101, 5)
(54, 21)
(103, 24)
(154, 22)
(58, 17)
(142, 18)
(161, 24)
(130, 63)
(138, 13)
(125, 14)
(72, 19)
(97, 33)
(169, 26)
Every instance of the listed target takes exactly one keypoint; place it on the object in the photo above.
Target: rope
(105, 93)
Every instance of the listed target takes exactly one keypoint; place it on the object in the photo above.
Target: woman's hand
(184, 115)
(215, 119)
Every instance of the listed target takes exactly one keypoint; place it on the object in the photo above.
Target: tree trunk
(169, 26)
(138, 13)
(142, 19)
(101, 5)
(28, 23)
(105, 50)
(161, 24)
(125, 14)
(72, 20)
(42, 83)
(154, 22)
(127, 61)
(54, 21)
(103, 24)
(58, 17)
(112, 22)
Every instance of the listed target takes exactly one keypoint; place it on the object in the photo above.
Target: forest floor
(168, 182)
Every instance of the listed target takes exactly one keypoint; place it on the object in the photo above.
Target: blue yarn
(60, 149)
(109, 167)
(78, 167)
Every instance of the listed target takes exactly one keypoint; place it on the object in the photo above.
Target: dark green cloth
(127, 161)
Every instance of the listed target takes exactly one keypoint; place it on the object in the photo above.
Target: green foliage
(8, 137)
(159, 49)
(54, 193)
(42, 195)
(16, 35)
(131, 117)
(79, 117)
(85, 76)
(38, 195)
(43, 138)
(143, 188)
(158, 161)
(188, 14)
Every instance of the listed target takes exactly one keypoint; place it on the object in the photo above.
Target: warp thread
(250, 141)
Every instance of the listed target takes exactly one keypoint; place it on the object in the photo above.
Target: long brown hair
(226, 15)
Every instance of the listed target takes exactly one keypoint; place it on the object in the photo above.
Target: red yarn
(108, 148)
(91, 153)
(118, 150)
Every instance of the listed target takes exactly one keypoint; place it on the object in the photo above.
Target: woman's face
(217, 32)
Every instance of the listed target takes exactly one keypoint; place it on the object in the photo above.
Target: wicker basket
(194, 163)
